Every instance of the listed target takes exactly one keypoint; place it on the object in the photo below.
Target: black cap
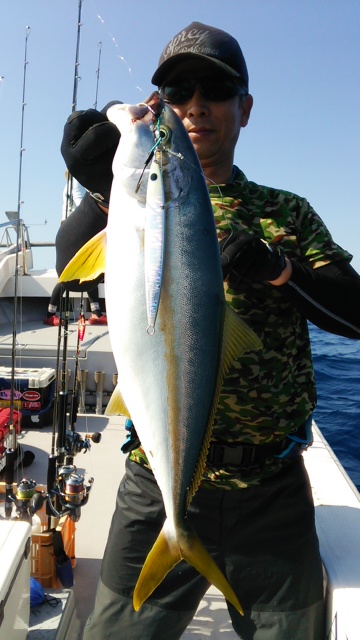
(202, 41)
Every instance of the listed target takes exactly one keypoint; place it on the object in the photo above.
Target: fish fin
(237, 339)
(161, 559)
(167, 553)
(89, 262)
(196, 555)
(116, 405)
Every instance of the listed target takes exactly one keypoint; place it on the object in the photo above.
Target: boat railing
(14, 236)
(11, 240)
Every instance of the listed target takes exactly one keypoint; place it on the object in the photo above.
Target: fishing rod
(81, 323)
(97, 75)
(74, 406)
(58, 452)
(26, 500)
(17, 223)
(12, 451)
(63, 393)
(66, 489)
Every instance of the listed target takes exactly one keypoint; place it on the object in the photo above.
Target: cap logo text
(189, 41)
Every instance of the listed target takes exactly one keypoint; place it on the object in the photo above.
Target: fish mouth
(149, 110)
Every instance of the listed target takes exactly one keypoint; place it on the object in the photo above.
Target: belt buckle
(216, 454)
(248, 455)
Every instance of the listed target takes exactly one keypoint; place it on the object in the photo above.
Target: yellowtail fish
(172, 334)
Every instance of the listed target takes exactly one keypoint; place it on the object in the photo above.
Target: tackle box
(33, 394)
(5, 435)
(15, 542)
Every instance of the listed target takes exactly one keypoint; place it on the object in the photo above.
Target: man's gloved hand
(132, 439)
(247, 258)
(88, 148)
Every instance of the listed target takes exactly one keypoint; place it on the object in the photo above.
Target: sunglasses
(214, 89)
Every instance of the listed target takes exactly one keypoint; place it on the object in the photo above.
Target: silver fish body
(167, 379)
(171, 369)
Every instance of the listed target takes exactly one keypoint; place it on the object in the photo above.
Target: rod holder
(99, 377)
(82, 378)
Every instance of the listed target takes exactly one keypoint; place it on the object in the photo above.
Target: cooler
(15, 540)
(33, 394)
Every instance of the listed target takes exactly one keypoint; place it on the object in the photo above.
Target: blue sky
(303, 61)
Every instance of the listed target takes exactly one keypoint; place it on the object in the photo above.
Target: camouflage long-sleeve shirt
(267, 393)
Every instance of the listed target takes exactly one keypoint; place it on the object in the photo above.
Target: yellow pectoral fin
(166, 554)
(237, 339)
(89, 262)
(116, 405)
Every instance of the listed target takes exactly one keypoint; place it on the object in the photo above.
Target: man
(74, 200)
(89, 144)
(253, 511)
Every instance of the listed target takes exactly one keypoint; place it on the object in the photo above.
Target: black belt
(244, 455)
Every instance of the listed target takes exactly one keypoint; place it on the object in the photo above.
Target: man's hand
(88, 148)
(247, 258)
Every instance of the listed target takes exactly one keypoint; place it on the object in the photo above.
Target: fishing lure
(154, 247)
(155, 222)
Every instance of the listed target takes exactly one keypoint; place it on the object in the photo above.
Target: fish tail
(167, 553)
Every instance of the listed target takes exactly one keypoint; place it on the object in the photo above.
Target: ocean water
(337, 374)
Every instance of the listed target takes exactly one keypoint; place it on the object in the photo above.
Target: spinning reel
(70, 491)
(74, 443)
(27, 500)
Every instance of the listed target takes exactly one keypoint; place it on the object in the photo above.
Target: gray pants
(263, 539)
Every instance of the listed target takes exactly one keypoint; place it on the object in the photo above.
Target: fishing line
(112, 38)
(179, 155)
(146, 163)
(114, 42)
(159, 141)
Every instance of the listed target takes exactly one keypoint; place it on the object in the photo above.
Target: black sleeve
(328, 296)
(84, 223)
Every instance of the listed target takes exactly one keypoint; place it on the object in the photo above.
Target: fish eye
(165, 134)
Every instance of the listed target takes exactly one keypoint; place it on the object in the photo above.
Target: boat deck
(332, 490)
(337, 502)
(105, 463)
(37, 344)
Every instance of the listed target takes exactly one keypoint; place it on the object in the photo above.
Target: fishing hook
(152, 150)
